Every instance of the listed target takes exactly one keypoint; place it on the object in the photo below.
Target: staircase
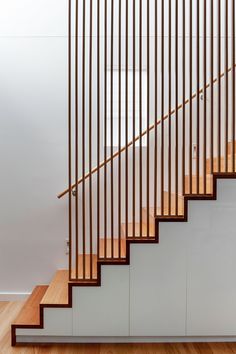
(127, 169)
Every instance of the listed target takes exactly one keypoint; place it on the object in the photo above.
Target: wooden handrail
(151, 127)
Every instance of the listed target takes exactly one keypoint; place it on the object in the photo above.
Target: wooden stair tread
(172, 211)
(230, 147)
(152, 212)
(118, 244)
(222, 164)
(57, 292)
(90, 274)
(137, 230)
(30, 313)
(209, 184)
(146, 217)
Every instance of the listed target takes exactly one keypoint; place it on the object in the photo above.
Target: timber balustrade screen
(151, 96)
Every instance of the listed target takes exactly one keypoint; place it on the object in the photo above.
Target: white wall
(33, 133)
(33, 128)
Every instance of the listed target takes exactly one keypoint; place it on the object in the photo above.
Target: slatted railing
(151, 117)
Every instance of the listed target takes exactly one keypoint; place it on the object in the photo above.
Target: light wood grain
(136, 232)
(29, 315)
(9, 311)
(3, 306)
(145, 219)
(117, 245)
(90, 269)
(230, 147)
(172, 209)
(209, 184)
(148, 218)
(57, 292)
(222, 164)
(166, 211)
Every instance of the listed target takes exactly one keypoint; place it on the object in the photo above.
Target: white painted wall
(33, 133)
(33, 123)
(180, 289)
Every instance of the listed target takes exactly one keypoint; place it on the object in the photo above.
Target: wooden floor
(9, 310)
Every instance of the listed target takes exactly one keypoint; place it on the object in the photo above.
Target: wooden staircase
(59, 292)
(125, 176)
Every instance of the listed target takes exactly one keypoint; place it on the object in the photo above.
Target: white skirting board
(74, 339)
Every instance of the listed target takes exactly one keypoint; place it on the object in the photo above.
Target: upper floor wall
(33, 18)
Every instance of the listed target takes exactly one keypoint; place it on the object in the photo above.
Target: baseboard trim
(13, 296)
(74, 339)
